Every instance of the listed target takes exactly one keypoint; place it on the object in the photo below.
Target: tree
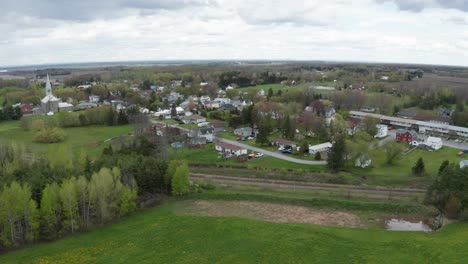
(180, 180)
(318, 156)
(173, 110)
(392, 152)
(270, 93)
(263, 133)
(336, 156)
(50, 212)
(443, 166)
(69, 203)
(369, 125)
(418, 168)
(289, 130)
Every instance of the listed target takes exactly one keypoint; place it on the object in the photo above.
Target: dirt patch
(277, 213)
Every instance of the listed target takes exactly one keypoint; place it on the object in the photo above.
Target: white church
(51, 104)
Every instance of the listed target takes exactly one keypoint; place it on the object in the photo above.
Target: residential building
(463, 164)
(324, 147)
(382, 131)
(229, 149)
(283, 143)
(434, 143)
(408, 136)
(193, 119)
(94, 99)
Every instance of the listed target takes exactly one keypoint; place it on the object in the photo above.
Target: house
(26, 109)
(261, 92)
(218, 126)
(329, 112)
(463, 164)
(382, 131)
(434, 142)
(283, 143)
(227, 107)
(64, 107)
(229, 149)
(206, 133)
(363, 161)
(324, 147)
(352, 126)
(194, 119)
(245, 132)
(94, 99)
(408, 136)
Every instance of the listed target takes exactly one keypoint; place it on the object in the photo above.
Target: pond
(401, 225)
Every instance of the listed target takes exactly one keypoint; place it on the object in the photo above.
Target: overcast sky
(58, 31)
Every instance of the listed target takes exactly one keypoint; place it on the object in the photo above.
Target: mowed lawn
(90, 138)
(208, 154)
(400, 173)
(160, 236)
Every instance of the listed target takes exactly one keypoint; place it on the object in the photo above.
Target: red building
(26, 109)
(406, 136)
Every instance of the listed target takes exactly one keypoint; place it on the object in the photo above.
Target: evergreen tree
(418, 168)
(443, 166)
(173, 111)
(263, 133)
(336, 156)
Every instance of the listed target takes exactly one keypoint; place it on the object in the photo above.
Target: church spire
(48, 86)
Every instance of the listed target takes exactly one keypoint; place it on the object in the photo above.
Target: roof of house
(321, 146)
(228, 146)
(206, 130)
(195, 117)
(404, 131)
(218, 124)
(463, 163)
(433, 140)
(284, 141)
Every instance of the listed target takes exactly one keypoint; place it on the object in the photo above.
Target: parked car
(250, 138)
(286, 151)
(259, 155)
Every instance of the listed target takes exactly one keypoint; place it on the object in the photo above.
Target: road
(282, 184)
(273, 154)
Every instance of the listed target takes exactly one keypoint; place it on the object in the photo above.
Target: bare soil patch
(278, 213)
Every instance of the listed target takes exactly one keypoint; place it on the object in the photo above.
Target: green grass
(400, 173)
(208, 154)
(88, 139)
(2, 99)
(160, 236)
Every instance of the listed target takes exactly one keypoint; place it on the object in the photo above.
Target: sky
(403, 31)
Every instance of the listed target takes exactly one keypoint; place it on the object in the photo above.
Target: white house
(261, 92)
(194, 119)
(63, 107)
(227, 148)
(320, 148)
(382, 131)
(94, 99)
(434, 142)
(463, 164)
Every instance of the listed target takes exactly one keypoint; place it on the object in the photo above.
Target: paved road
(273, 154)
(307, 185)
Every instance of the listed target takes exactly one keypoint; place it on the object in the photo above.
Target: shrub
(50, 135)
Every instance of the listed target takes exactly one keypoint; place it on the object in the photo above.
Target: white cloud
(364, 30)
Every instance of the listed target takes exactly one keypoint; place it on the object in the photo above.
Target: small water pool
(401, 225)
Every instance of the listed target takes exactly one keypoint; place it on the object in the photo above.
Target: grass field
(160, 235)
(88, 138)
(400, 173)
(208, 154)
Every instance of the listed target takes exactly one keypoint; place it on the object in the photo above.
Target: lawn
(208, 154)
(160, 235)
(400, 173)
(88, 138)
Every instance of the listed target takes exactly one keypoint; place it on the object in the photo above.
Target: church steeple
(48, 86)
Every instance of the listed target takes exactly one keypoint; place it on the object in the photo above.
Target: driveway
(273, 154)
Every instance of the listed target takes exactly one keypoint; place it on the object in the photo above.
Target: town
(196, 131)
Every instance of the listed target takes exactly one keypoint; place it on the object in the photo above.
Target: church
(51, 104)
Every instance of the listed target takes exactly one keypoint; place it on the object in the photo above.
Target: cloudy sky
(57, 31)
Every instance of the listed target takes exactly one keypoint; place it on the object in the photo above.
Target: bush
(50, 135)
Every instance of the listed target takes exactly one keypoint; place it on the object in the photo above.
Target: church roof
(49, 98)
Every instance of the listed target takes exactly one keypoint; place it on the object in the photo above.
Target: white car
(259, 154)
